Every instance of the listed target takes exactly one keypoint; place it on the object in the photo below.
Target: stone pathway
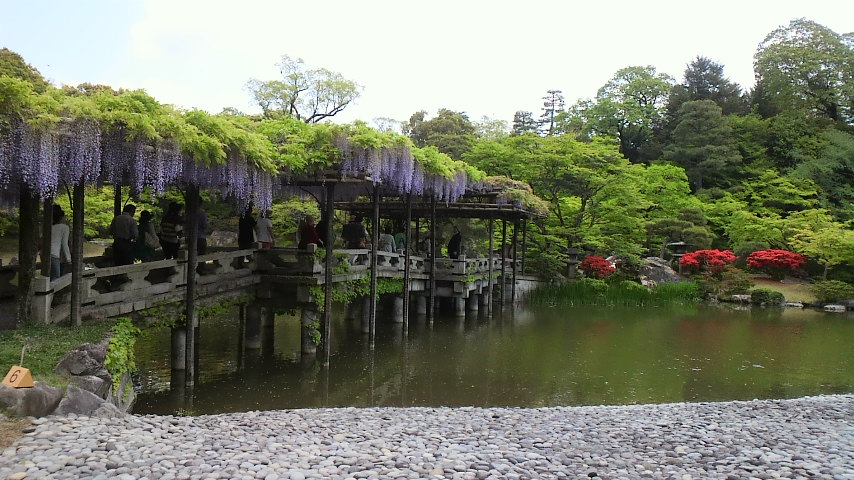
(802, 438)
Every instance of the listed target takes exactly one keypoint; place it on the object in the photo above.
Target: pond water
(528, 357)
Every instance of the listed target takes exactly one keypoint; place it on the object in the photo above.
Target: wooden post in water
(190, 299)
(431, 304)
(77, 253)
(407, 233)
(47, 228)
(326, 328)
(503, 259)
(490, 281)
(375, 237)
(515, 261)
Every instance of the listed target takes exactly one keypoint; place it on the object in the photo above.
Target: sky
(485, 58)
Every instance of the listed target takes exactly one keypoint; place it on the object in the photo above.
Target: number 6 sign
(19, 377)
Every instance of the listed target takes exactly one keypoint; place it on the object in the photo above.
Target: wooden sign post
(19, 377)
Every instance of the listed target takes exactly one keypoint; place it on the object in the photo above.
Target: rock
(655, 270)
(79, 401)
(86, 359)
(108, 410)
(125, 396)
(834, 308)
(740, 298)
(91, 383)
(793, 305)
(37, 401)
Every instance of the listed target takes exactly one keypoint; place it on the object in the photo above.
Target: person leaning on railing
(124, 232)
(171, 230)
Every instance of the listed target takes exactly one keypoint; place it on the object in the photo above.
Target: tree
(704, 80)
(815, 234)
(449, 131)
(13, 65)
(833, 171)
(808, 68)
(628, 107)
(310, 95)
(702, 143)
(523, 122)
(776, 262)
(491, 128)
(553, 105)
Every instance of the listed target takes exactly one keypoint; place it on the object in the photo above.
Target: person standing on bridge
(308, 234)
(124, 232)
(246, 230)
(264, 230)
(59, 251)
(354, 233)
(171, 229)
(455, 244)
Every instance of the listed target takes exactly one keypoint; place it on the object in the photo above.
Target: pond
(528, 357)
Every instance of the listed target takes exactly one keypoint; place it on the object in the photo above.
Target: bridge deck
(285, 272)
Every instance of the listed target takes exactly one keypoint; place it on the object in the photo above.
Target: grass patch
(793, 290)
(47, 344)
(591, 292)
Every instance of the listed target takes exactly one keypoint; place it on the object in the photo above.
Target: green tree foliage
(833, 170)
(491, 128)
(815, 234)
(704, 80)
(703, 143)
(628, 107)
(13, 65)
(553, 105)
(452, 133)
(310, 95)
(523, 122)
(807, 67)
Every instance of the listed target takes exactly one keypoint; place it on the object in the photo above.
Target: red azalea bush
(713, 261)
(596, 267)
(776, 263)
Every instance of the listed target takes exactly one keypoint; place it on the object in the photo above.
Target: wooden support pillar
(503, 259)
(490, 281)
(28, 218)
(524, 244)
(515, 261)
(47, 228)
(192, 261)
(326, 323)
(407, 274)
(117, 200)
(77, 253)
(431, 302)
(375, 239)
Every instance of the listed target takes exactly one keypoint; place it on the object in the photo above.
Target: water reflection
(523, 357)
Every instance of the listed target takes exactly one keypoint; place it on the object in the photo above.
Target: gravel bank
(810, 437)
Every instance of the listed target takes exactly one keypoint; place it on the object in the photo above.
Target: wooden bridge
(283, 274)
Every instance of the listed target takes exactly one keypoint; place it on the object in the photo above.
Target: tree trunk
(28, 248)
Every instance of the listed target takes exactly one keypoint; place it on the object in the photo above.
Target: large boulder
(37, 401)
(91, 383)
(87, 359)
(654, 270)
(78, 401)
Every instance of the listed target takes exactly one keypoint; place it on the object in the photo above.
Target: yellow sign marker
(19, 377)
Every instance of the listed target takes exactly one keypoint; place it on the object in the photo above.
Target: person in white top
(264, 230)
(59, 251)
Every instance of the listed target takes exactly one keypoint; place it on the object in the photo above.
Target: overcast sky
(481, 57)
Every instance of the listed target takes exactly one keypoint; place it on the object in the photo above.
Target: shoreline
(809, 437)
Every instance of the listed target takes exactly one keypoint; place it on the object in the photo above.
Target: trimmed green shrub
(765, 296)
(832, 290)
(735, 281)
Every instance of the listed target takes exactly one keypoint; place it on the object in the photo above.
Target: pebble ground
(809, 437)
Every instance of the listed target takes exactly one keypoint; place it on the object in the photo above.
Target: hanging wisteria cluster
(77, 151)
(397, 168)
